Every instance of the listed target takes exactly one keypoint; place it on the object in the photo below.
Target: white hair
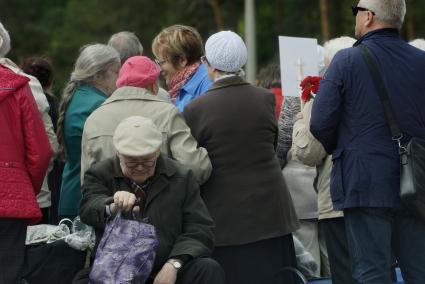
(387, 11)
(332, 46)
(127, 44)
(4, 41)
(418, 43)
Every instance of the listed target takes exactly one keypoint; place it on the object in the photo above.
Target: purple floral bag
(126, 252)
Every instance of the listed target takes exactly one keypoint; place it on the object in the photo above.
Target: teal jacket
(85, 100)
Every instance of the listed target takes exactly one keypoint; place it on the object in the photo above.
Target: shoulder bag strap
(383, 96)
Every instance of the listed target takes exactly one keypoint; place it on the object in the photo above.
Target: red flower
(309, 87)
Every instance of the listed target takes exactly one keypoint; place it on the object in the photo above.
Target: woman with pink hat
(137, 96)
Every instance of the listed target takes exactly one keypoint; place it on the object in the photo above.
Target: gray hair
(418, 43)
(91, 65)
(4, 41)
(387, 11)
(331, 47)
(127, 44)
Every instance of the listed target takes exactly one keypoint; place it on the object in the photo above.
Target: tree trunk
(410, 25)
(324, 20)
(218, 18)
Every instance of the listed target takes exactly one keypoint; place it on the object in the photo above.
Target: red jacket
(24, 149)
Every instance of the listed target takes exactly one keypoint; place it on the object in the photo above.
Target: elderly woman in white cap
(246, 194)
(165, 192)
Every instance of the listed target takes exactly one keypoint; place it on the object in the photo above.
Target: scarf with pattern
(179, 80)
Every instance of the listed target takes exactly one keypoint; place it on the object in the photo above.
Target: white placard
(298, 59)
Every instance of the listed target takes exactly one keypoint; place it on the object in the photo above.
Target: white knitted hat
(137, 136)
(226, 51)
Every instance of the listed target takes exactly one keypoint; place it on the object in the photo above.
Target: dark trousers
(197, 271)
(12, 249)
(339, 257)
(258, 262)
(372, 235)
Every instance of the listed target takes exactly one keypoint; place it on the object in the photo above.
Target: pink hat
(138, 71)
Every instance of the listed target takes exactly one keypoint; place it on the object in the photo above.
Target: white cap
(137, 136)
(226, 51)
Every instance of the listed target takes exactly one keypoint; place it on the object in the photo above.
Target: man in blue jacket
(348, 119)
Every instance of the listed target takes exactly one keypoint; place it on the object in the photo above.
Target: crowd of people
(240, 182)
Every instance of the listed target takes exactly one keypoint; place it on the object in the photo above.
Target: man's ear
(369, 20)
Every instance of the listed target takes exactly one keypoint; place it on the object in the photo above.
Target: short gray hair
(331, 47)
(127, 44)
(418, 43)
(387, 11)
(4, 41)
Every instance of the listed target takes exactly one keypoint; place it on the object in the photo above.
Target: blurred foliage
(57, 29)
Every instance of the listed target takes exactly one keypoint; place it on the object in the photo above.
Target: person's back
(348, 119)
(24, 156)
(364, 134)
(244, 125)
(24, 153)
(130, 101)
(137, 96)
(236, 123)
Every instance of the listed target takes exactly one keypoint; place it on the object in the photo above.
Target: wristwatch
(177, 264)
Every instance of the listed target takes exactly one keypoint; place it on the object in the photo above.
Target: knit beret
(138, 71)
(226, 51)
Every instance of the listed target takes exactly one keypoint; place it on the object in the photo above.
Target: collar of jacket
(380, 33)
(227, 82)
(131, 93)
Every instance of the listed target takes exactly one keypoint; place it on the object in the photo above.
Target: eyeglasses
(132, 163)
(204, 60)
(160, 62)
(356, 9)
(145, 164)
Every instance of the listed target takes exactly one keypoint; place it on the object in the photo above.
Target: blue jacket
(348, 119)
(84, 101)
(194, 87)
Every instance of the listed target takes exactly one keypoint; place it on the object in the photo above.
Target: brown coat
(246, 193)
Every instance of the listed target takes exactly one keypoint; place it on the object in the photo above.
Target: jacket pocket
(337, 183)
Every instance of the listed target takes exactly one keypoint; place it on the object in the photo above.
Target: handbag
(126, 252)
(412, 155)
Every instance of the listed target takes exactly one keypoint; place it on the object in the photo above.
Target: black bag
(412, 176)
(52, 263)
(412, 156)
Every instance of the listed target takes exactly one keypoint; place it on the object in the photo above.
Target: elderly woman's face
(138, 169)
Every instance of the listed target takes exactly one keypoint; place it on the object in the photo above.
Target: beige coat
(178, 143)
(310, 152)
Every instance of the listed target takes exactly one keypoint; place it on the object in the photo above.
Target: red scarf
(180, 78)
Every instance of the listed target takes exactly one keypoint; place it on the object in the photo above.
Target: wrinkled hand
(167, 275)
(123, 200)
(298, 116)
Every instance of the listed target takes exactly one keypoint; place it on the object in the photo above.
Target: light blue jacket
(194, 87)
